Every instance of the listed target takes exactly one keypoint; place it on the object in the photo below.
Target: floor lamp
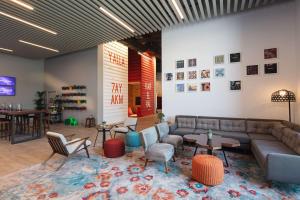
(284, 96)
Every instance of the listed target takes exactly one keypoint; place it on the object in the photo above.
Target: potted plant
(160, 116)
(40, 101)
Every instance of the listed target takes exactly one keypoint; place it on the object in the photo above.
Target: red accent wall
(134, 66)
(147, 85)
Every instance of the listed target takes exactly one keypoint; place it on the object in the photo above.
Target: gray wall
(78, 68)
(29, 75)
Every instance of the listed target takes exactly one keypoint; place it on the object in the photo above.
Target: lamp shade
(283, 96)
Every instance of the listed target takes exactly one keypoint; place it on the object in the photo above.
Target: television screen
(6, 90)
(138, 101)
(7, 81)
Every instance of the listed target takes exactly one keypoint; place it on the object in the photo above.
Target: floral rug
(125, 178)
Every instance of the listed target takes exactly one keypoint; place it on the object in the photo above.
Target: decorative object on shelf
(219, 59)
(271, 68)
(205, 87)
(192, 87)
(71, 121)
(270, 53)
(192, 62)
(74, 87)
(180, 87)
(235, 57)
(40, 102)
(252, 70)
(168, 76)
(73, 94)
(79, 101)
(192, 75)
(160, 117)
(284, 95)
(219, 72)
(74, 108)
(179, 64)
(235, 85)
(205, 73)
(180, 76)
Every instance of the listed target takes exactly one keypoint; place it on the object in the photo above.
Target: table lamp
(284, 95)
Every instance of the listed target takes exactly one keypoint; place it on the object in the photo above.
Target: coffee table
(216, 143)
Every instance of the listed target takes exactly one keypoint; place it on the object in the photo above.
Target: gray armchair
(155, 151)
(164, 137)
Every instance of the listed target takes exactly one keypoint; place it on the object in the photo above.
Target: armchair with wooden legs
(60, 145)
(128, 125)
(154, 150)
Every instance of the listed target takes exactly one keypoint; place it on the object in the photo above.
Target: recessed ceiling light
(25, 5)
(177, 9)
(28, 23)
(40, 46)
(8, 50)
(116, 19)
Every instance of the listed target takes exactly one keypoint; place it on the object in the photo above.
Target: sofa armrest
(283, 168)
(172, 127)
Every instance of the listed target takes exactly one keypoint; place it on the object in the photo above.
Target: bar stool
(5, 130)
(90, 122)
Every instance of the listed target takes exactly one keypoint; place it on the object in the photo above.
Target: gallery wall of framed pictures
(190, 75)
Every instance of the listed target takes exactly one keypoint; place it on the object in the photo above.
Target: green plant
(160, 116)
(40, 103)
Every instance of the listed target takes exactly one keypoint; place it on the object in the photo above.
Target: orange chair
(207, 169)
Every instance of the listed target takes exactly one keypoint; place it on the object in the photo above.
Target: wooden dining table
(12, 115)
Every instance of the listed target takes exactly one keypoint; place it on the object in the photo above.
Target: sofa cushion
(242, 137)
(261, 148)
(255, 136)
(186, 122)
(207, 123)
(200, 131)
(260, 126)
(277, 131)
(292, 139)
(183, 131)
(232, 125)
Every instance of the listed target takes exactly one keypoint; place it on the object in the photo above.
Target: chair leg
(174, 159)
(87, 152)
(146, 162)
(166, 167)
(48, 158)
(64, 161)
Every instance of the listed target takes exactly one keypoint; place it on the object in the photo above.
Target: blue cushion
(133, 139)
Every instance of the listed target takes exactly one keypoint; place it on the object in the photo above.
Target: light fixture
(26, 22)
(40, 46)
(116, 19)
(284, 95)
(25, 5)
(8, 50)
(177, 9)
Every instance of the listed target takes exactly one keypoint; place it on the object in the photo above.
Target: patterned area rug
(125, 178)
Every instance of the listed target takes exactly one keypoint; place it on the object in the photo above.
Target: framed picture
(192, 75)
(270, 53)
(168, 76)
(235, 85)
(179, 64)
(205, 86)
(235, 57)
(219, 72)
(271, 68)
(192, 87)
(192, 62)
(180, 87)
(180, 76)
(219, 59)
(205, 73)
(252, 70)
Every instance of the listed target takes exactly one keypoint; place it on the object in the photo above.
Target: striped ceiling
(80, 24)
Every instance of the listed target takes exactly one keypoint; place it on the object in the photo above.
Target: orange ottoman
(207, 169)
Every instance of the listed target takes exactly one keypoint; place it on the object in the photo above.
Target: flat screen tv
(137, 101)
(7, 86)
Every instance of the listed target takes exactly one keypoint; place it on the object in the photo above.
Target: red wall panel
(134, 66)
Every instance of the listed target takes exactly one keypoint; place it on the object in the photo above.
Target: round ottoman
(114, 148)
(133, 139)
(207, 169)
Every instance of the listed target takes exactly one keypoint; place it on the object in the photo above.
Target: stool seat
(207, 169)
(114, 148)
(133, 139)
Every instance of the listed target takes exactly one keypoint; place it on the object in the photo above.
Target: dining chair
(60, 145)
(154, 150)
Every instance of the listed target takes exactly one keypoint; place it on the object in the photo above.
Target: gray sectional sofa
(274, 143)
